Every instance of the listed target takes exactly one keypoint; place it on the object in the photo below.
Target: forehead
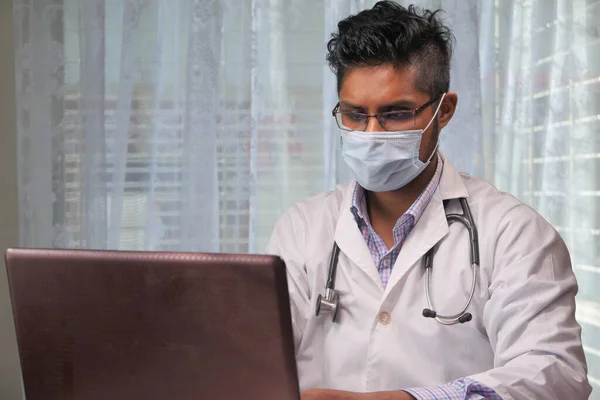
(380, 84)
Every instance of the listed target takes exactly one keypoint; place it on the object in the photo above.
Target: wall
(10, 377)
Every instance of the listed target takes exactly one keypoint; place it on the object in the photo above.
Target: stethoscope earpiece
(465, 318)
(428, 313)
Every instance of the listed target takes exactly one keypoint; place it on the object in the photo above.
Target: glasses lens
(397, 120)
(351, 121)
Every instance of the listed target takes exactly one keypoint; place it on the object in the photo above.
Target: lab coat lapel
(351, 241)
(431, 227)
(429, 230)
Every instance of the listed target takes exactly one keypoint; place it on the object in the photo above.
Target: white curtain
(193, 124)
(166, 125)
(539, 77)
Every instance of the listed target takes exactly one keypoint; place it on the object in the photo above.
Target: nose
(373, 125)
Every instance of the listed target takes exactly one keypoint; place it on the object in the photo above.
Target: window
(272, 139)
(547, 123)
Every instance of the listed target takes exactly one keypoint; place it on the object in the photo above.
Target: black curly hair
(390, 34)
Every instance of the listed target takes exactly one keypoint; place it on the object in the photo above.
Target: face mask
(385, 161)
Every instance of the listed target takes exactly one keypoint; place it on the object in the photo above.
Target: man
(517, 339)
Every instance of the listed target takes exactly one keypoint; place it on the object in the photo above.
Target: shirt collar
(359, 204)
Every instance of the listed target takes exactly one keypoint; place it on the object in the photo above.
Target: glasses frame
(336, 111)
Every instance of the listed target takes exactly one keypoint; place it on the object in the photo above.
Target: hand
(328, 394)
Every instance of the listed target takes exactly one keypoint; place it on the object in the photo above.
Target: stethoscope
(330, 302)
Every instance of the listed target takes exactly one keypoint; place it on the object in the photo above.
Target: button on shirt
(384, 258)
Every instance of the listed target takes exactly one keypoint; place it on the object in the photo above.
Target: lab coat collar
(430, 229)
(351, 242)
(451, 184)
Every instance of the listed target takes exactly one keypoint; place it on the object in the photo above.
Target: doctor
(522, 340)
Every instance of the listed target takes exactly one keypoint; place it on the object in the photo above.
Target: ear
(447, 109)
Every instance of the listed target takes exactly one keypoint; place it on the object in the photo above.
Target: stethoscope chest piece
(328, 304)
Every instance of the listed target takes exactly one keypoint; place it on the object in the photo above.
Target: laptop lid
(140, 325)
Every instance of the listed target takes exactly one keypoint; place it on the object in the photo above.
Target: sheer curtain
(540, 75)
(193, 124)
(166, 125)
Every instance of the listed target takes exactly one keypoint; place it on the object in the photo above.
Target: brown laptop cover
(133, 325)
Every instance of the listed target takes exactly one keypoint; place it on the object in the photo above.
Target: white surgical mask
(385, 161)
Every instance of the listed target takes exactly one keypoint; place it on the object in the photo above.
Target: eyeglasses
(390, 121)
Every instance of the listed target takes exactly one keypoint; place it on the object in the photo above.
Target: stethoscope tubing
(331, 297)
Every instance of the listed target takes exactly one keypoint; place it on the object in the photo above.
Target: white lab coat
(523, 340)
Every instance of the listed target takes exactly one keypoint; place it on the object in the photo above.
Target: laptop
(138, 325)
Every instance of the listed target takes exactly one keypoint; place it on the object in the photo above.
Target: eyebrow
(398, 104)
(347, 104)
(405, 104)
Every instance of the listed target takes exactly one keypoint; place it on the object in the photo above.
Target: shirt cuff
(461, 389)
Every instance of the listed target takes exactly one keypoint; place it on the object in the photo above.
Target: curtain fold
(199, 212)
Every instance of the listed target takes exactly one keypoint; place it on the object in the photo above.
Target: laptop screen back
(129, 325)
